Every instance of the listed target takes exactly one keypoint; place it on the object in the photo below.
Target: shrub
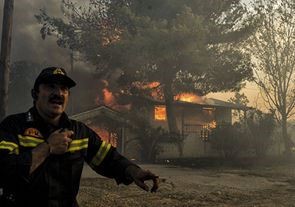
(229, 140)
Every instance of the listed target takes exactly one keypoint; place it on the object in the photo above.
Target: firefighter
(42, 151)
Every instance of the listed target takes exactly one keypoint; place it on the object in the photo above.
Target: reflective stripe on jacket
(57, 179)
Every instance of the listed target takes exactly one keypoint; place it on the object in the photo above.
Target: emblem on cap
(58, 71)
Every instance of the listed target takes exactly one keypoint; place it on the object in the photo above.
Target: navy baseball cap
(54, 75)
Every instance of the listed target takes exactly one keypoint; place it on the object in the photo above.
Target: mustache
(57, 98)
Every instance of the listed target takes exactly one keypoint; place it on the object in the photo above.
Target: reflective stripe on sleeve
(101, 154)
(11, 146)
(78, 144)
(28, 141)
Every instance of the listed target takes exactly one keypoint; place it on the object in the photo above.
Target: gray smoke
(28, 46)
(27, 43)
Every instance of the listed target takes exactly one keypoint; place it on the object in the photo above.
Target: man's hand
(139, 176)
(59, 141)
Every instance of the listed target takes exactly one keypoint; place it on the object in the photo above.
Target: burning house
(107, 123)
(195, 117)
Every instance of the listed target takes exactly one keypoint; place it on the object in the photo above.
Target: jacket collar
(34, 116)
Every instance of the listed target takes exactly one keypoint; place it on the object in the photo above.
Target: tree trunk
(168, 95)
(170, 113)
(286, 138)
(5, 56)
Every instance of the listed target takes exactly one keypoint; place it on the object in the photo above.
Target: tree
(242, 100)
(273, 53)
(261, 127)
(177, 48)
(188, 47)
(5, 55)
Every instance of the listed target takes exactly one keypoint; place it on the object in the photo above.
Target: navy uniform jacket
(56, 181)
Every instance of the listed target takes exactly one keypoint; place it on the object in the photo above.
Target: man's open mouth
(58, 102)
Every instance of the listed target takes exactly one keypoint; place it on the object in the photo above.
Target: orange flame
(160, 113)
(109, 99)
(189, 97)
(106, 135)
(152, 85)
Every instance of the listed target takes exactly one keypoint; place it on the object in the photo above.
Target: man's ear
(34, 94)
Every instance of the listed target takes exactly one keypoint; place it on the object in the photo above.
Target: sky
(27, 43)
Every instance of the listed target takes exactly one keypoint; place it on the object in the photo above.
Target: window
(160, 113)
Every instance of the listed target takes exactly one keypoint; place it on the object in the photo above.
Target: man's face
(52, 99)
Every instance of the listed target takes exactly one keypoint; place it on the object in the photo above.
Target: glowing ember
(189, 97)
(160, 113)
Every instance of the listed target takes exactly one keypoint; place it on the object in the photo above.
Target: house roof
(117, 116)
(99, 111)
(207, 102)
(219, 103)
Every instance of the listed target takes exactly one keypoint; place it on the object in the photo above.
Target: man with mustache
(42, 151)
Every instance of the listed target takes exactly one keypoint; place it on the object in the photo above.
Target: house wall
(223, 115)
(194, 116)
(190, 121)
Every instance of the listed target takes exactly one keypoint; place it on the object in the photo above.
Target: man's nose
(58, 91)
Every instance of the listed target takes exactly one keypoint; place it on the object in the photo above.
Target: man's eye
(64, 88)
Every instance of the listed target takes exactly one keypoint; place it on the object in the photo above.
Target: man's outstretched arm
(105, 160)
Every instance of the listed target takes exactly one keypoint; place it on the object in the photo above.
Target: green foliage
(158, 40)
(230, 140)
(261, 127)
(176, 48)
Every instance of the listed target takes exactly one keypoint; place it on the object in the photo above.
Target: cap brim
(60, 79)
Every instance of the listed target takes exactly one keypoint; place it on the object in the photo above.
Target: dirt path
(187, 187)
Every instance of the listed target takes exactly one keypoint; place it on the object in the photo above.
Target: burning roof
(203, 102)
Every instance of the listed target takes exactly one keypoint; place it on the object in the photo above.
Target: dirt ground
(189, 187)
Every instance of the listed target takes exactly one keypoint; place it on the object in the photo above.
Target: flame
(146, 85)
(108, 99)
(212, 124)
(189, 97)
(160, 113)
(153, 88)
(106, 135)
(152, 85)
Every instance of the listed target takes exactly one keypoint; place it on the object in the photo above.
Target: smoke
(28, 47)
(27, 43)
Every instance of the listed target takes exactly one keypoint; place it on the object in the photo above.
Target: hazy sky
(26, 41)
(28, 45)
